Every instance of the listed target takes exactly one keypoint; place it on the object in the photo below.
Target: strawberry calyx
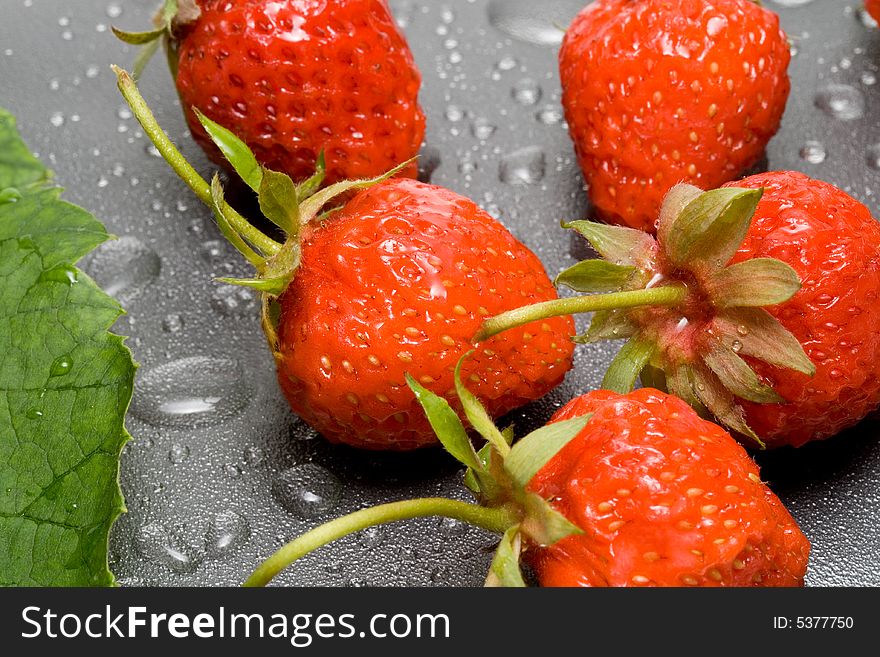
(171, 16)
(693, 321)
(497, 474)
(288, 205)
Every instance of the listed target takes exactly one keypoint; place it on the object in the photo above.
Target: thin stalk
(184, 169)
(493, 520)
(669, 295)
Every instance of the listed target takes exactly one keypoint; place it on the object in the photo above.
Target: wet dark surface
(220, 473)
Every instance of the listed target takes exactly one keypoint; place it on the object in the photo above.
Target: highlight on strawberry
(293, 79)
(658, 92)
(397, 280)
(756, 304)
(616, 490)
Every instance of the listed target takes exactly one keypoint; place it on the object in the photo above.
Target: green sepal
(654, 377)
(736, 375)
(721, 402)
(628, 364)
(711, 227)
(680, 382)
(279, 201)
(217, 204)
(675, 201)
(543, 524)
(533, 452)
(311, 185)
(476, 412)
(272, 286)
(618, 245)
(595, 276)
(753, 283)
(446, 425)
(607, 325)
(505, 570)
(236, 152)
(756, 333)
(311, 206)
(139, 38)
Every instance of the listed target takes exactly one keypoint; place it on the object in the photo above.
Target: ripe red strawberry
(665, 499)
(617, 490)
(397, 281)
(658, 92)
(805, 368)
(299, 77)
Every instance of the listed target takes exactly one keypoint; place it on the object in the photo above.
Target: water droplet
(791, 3)
(525, 166)
(742, 329)
(736, 346)
(454, 113)
(869, 78)
(232, 471)
(307, 490)
(253, 455)
(92, 72)
(191, 392)
(124, 267)
(482, 129)
(172, 323)
(124, 112)
(9, 195)
(114, 10)
(234, 301)
(156, 542)
(542, 23)
(526, 92)
(452, 527)
(178, 454)
(467, 166)
(841, 101)
(227, 531)
(61, 366)
(813, 152)
(56, 119)
(34, 414)
(506, 63)
(550, 115)
(371, 537)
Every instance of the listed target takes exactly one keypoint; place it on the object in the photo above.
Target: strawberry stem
(491, 519)
(184, 169)
(668, 295)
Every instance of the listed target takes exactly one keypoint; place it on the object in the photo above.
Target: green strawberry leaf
(543, 524)
(237, 153)
(65, 386)
(505, 570)
(711, 227)
(476, 413)
(446, 424)
(534, 451)
(621, 246)
(753, 283)
(311, 185)
(139, 38)
(219, 206)
(595, 276)
(278, 201)
(628, 364)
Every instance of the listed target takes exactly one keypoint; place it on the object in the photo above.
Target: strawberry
(396, 281)
(617, 490)
(296, 78)
(658, 92)
(873, 9)
(690, 304)
(665, 498)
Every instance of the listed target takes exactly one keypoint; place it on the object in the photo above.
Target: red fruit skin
(833, 243)
(873, 8)
(399, 281)
(292, 78)
(665, 498)
(658, 92)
